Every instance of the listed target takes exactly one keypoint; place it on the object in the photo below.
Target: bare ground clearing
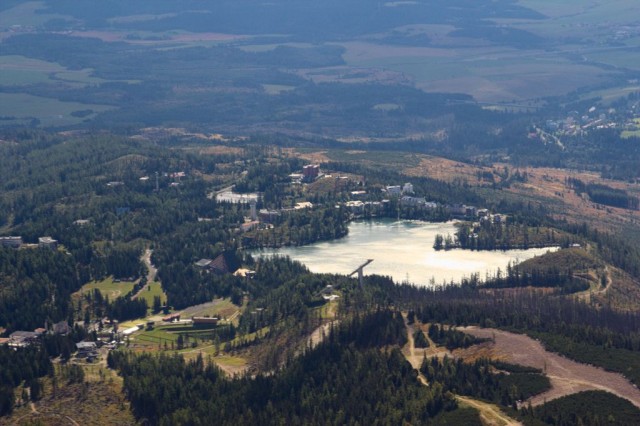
(490, 414)
(566, 376)
(551, 184)
(319, 334)
(450, 170)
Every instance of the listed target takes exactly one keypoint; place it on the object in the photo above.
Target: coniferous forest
(356, 372)
(152, 153)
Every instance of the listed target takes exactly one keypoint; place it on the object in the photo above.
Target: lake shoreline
(403, 250)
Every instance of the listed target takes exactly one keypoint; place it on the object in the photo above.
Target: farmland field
(20, 70)
(544, 50)
(19, 107)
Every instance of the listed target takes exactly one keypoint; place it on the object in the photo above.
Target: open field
(567, 376)
(544, 185)
(108, 288)
(153, 289)
(488, 73)
(222, 308)
(450, 171)
(20, 70)
(549, 185)
(27, 14)
(50, 112)
(171, 38)
(577, 51)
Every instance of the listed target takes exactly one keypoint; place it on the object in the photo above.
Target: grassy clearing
(153, 289)
(626, 134)
(251, 336)
(108, 288)
(328, 310)
(222, 308)
(382, 158)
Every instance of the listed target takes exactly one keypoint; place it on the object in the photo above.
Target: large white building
(12, 242)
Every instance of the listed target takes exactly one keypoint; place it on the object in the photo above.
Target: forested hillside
(341, 357)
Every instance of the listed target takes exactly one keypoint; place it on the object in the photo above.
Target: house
(394, 190)
(330, 297)
(358, 195)
(413, 201)
(303, 205)
(249, 226)
(22, 339)
(203, 263)
(129, 331)
(268, 216)
(204, 321)
(470, 211)
(86, 349)
(220, 265)
(172, 317)
(430, 205)
(355, 207)
(61, 328)
(458, 209)
(48, 243)
(245, 273)
(310, 172)
(407, 188)
(177, 175)
(81, 222)
(11, 242)
(296, 177)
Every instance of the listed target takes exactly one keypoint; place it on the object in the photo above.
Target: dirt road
(566, 376)
(151, 274)
(146, 258)
(320, 333)
(490, 414)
